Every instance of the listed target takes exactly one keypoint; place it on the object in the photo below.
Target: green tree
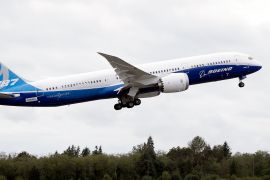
(218, 153)
(147, 163)
(166, 176)
(150, 148)
(183, 157)
(24, 155)
(98, 150)
(197, 145)
(226, 150)
(197, 161)
(72, 151)
(85, 152)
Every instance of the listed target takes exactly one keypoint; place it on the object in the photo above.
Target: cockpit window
(250, 58)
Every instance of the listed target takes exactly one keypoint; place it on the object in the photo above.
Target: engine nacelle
(175, 82)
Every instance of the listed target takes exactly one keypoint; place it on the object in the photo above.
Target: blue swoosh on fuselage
(58, 98)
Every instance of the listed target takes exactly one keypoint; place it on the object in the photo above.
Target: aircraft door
(40, 94)
(106, 81)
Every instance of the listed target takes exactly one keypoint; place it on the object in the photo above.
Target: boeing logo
(203, 72)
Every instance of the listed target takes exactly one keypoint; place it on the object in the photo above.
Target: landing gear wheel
(241, 84)
(118, 106)
(130, 105)
(137, 102)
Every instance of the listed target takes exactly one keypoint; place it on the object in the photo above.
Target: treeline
(196, 161)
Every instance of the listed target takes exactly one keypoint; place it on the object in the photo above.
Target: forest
(198, 160)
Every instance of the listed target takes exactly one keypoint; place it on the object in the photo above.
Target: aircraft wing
(129, 74)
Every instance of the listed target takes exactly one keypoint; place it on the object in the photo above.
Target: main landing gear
(241, 83)
(129, 104)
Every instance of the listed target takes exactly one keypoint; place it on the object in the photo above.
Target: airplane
(124, 81)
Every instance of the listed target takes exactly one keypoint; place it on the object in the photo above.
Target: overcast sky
(46, 38)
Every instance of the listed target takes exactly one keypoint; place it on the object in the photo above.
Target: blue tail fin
(8, 79)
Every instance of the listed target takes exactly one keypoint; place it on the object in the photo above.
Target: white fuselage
(126, 82)
(105, 78)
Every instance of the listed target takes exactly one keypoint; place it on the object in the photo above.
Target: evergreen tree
(25, 155)
(95, 152)
(150, 148)
(226, 150)
(98, 150)
(72, 151)
(85, 152)
(147, 164)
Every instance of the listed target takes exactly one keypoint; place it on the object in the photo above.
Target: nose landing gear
(241, 83)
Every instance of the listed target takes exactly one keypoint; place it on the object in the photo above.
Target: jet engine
(175, 82)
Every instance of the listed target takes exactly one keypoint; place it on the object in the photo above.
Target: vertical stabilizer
(8, 79)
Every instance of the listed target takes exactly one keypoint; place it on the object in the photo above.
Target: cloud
(41, 39)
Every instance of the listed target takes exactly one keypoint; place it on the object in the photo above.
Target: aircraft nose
(257, 65)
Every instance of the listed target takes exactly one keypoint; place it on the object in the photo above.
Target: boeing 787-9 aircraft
(124, 81)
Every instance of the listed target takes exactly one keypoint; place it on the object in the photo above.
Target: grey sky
(45, 38)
